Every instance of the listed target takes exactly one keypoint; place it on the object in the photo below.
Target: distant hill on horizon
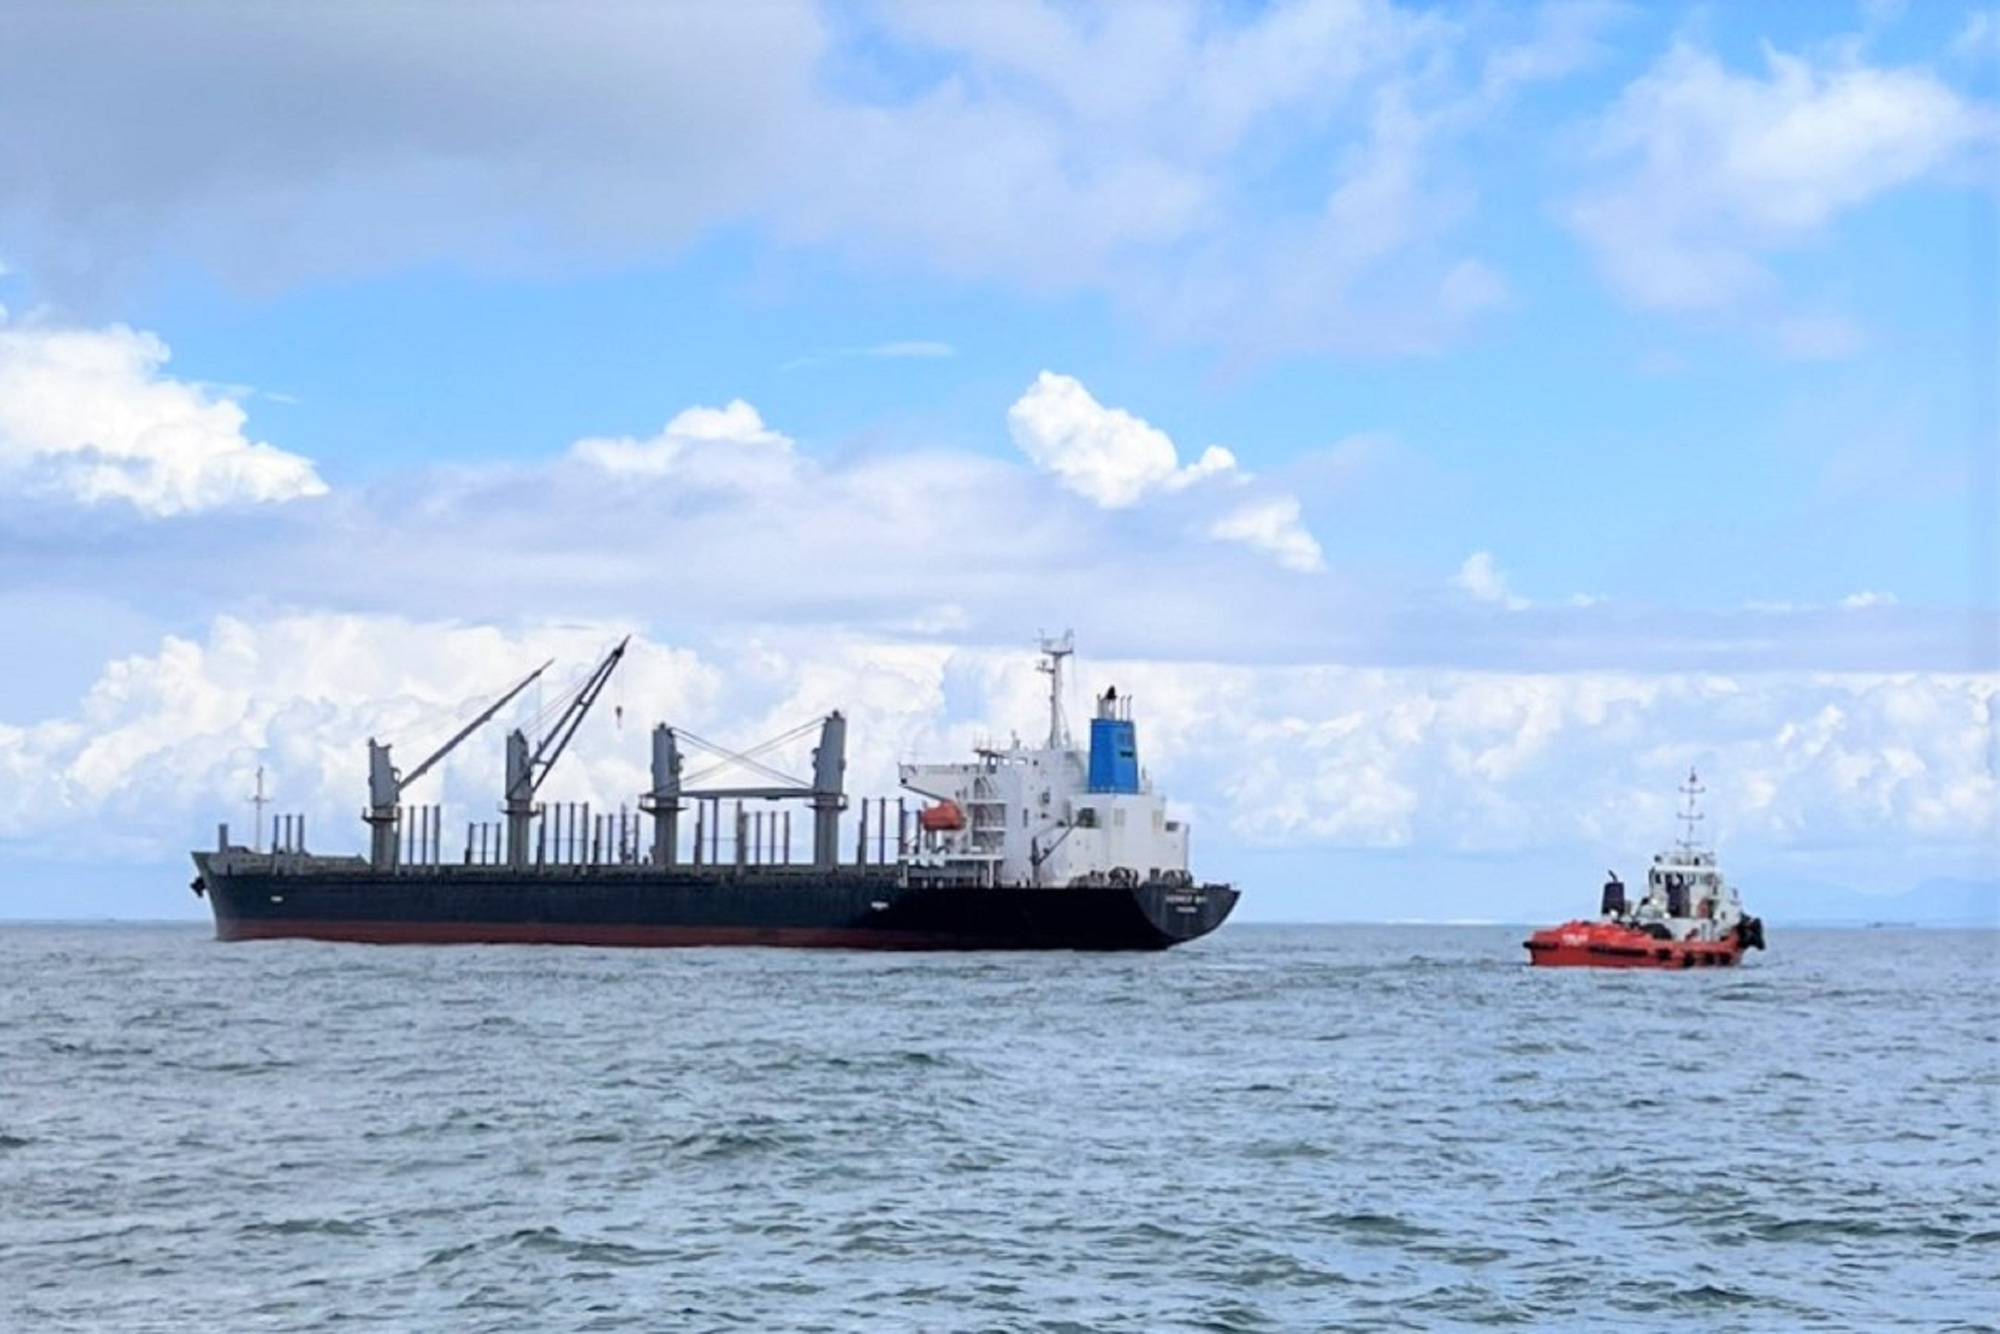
(1934, 903)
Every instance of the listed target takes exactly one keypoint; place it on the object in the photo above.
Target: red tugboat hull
(1610, 945)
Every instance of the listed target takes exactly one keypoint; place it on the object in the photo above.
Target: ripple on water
(1367, 1128)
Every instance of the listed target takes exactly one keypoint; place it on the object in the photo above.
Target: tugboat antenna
(1055, 650)
(1691, 816)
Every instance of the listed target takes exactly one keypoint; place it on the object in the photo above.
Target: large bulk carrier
(1024, 847)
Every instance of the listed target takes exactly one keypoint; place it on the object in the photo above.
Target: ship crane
(526, 771)
(825, 793)
(386, 782)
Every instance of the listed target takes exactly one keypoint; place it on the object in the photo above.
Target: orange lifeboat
(941, 818)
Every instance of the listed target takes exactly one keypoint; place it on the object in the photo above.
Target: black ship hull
(849, 908)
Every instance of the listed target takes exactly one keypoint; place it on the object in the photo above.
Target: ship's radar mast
(260, 801)
(1692, 815)
(1053, 652)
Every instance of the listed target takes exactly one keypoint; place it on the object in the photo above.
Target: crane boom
(404, 780)
(386, 782)
(545, 756)
(526, 771)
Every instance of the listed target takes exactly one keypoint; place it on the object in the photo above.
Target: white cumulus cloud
(1798, 764)
(1152, 152)
(1272, 525)
(88, 415)
(1117, 460)
(1480, 577)
(719, 448)
(1713, 170)
(1103, 454)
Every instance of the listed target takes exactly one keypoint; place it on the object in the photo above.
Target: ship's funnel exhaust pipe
(829, 772)
(1612, 903)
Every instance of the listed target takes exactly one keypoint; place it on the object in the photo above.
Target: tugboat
(1689, 916)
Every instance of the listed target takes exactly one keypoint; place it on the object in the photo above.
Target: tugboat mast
(1691, 816)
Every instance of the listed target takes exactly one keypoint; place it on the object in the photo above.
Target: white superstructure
(1686, 893)
(1052, 815)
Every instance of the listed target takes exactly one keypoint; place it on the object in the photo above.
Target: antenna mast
(1054, 651)
(1691, 816)
(259, 801)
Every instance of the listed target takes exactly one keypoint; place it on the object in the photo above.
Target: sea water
(1276, 1128)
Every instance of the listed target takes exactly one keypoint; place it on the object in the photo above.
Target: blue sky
(1459, 418)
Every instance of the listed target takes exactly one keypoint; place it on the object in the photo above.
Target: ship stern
(1184, 912)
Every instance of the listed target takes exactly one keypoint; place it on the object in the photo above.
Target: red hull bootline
(1689, 916)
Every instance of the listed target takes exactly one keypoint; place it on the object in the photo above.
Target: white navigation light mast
(259, 801)
(1691, 816)
(1054, 651)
